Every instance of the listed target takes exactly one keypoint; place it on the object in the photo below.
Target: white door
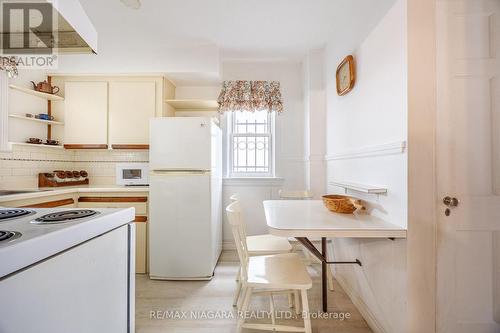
(86, 113)
(180, 143)
(131, 106)
(468, 166)
(180, 242)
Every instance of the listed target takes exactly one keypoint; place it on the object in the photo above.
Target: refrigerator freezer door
(180, 143)
(180, 226)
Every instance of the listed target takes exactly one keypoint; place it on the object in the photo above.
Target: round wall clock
(346, 75)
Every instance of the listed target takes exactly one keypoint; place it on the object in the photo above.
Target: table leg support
(324, 280)
(323, 257)
(356, 262)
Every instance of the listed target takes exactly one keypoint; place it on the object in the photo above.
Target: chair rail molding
(314, 157)
(254, 181)
(390, 148)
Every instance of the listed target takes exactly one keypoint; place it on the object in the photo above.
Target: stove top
(64, 216)
(12, 213)
(19, 224)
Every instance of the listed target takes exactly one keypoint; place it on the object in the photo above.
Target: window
(250, 152)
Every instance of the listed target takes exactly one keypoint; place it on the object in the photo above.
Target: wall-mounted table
(305, 219)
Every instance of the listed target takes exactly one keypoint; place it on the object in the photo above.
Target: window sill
(253, 181)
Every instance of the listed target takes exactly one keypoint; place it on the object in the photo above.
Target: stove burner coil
(64, 216)
(12, 213)
(8, 235)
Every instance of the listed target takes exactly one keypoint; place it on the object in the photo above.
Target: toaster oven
(131, 174)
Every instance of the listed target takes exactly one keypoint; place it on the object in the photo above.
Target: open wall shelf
(49, 97)
(36, 145)
(193, 104)
(360, 187)
(46, 122)
(49, 123)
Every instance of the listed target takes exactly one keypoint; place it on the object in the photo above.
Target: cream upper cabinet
(131, 105)
(86, 113)
(108, 111)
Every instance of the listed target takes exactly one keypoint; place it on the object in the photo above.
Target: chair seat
(280, 271)
(267, 244)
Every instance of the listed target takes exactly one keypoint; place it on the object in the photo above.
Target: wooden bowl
(341, 203)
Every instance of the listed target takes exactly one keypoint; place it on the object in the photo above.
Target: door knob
(450, 201)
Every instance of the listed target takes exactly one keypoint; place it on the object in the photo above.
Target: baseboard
(229, 254)
(365, 311)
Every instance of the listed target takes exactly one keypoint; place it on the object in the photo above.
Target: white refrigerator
(185, 207)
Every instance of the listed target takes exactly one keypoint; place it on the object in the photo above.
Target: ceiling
(242, 29)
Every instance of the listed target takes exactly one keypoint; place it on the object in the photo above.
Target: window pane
(250, 140)
(251, 154)
(250, 122)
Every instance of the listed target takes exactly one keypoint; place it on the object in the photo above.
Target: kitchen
(156, 164)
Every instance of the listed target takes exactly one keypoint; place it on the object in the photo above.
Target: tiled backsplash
(101, 164)
(20, 168)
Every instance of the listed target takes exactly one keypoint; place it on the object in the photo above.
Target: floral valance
(250, 96)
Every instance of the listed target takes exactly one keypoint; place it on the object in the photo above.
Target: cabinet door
(141, 245)
(85, 114)
(131, 105)
(107, 200)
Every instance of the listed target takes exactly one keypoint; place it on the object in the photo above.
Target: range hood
(71, 32)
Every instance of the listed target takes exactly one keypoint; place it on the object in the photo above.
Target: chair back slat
(243, 230)
(295, 195)
(233, 212)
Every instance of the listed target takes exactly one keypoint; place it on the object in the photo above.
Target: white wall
(290, 155)
(365, 130)
(314, 121)
(197, 92)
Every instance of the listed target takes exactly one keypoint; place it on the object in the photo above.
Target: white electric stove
(68, 270)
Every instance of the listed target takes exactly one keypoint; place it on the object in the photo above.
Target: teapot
(45, 87)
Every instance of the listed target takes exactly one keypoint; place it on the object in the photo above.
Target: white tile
(5, 171)
(38, 156)
(21, 172)
(21, 155)
(6, 155)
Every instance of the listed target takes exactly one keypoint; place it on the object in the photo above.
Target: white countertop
(49, 191)
(310, 218)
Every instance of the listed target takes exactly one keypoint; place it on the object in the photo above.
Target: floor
(205, 306)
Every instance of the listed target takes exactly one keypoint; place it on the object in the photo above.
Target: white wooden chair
(309, 259)
(264, 244)
(259, 245)
(268, 275)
